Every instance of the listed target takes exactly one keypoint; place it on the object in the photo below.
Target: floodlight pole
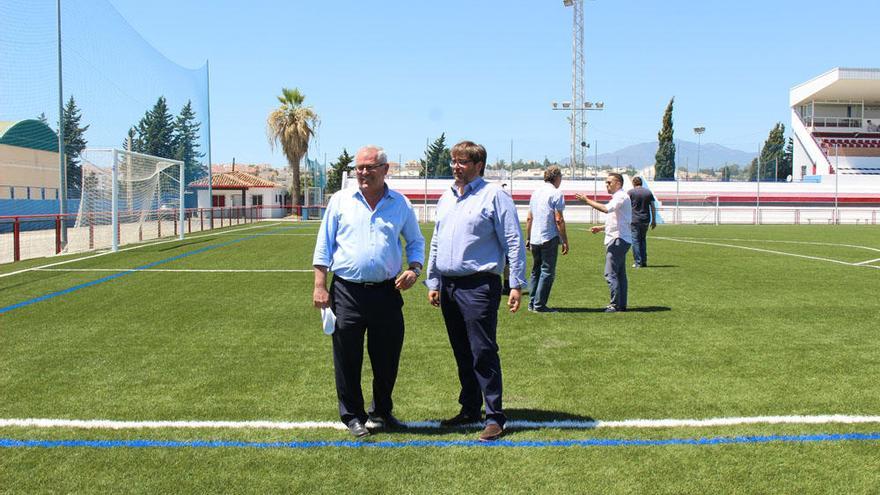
(62, 162)
(699, 132)
(208, 157)
(578, 102)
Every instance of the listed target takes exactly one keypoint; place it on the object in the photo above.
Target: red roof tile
(233, 180)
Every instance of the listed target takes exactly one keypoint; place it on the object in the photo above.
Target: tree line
(158, 133)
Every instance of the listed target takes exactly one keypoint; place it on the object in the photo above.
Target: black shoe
(357, 428)
(545, 309)
(462, 419)
(385, 422)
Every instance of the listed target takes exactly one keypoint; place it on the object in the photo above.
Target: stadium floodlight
(568, 3)
(699, 132)
(566, 104)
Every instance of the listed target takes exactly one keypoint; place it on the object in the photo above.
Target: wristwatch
(416, 270)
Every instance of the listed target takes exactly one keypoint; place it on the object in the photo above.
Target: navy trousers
(470, 311)
(375, 310)
(640, 243)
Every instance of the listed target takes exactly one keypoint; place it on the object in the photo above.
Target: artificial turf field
(727, 322)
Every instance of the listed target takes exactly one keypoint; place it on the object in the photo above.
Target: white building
(835, 121)
(231, 189)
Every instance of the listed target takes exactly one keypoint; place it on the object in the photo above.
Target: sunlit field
(765, 336)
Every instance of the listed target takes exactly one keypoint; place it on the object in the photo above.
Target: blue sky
(397, 73)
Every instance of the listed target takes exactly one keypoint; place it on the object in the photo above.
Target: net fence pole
(208, 151)
(62, 163)
(181, 213)
(114, 200)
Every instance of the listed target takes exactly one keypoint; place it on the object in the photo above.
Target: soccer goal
(127, 197)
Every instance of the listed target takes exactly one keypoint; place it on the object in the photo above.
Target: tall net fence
(117, 91)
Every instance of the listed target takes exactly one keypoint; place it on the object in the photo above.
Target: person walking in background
(359, 241)
(643, 215)
(476, 227)
(545, 230)
(618, 237)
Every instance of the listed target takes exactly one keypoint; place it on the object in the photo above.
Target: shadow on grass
(518, 415)
(655, 266)
(631, 309)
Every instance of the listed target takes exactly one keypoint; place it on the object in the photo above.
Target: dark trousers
(543, 272)
(377, 311)
(640, 243)
(615, 271)
(470, 311)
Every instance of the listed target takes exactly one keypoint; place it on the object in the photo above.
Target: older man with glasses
(360, 242)
(618, 238)
(476, 227)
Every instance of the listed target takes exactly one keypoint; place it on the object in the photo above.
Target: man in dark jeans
(545, 230)
(643, 214)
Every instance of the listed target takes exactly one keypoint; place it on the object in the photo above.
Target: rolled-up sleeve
(509, 233)
(432, 278)
(412, 234)
(325, 245)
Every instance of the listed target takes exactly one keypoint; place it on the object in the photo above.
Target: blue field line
(217, 444)
(75, 288)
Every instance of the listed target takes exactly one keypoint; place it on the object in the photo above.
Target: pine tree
(185, 141)
(42, 118)
(664, 160)
(338, 171)
(74, 143)
(437, 158)
(155, 132)
(772, 156)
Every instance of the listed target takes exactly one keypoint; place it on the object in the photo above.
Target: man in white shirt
(545, 230)
(618, 238)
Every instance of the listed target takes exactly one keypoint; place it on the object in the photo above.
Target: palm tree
(292, 125)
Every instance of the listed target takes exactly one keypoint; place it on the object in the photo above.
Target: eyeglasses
(365, 169)
(461, 162)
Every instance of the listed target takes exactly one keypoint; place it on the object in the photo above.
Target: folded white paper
(329, 320)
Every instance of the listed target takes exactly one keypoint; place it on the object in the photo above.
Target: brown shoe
(491, 432)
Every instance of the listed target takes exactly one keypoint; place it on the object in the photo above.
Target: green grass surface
(713, 331)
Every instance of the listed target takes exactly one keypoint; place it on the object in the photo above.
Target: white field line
(104, 253)
(513, 424)
(812, 243)
(182, 270)
(868, 262)
(771, 251)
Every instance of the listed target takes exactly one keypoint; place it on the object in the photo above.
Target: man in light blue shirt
(545, 230)
(360, 242)
(476, 227)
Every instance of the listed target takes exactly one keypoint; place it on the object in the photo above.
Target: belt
(384, 283)
(472, 276)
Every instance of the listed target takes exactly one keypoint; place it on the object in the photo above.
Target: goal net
(144, 204)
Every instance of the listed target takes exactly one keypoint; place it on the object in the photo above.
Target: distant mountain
(639, 156)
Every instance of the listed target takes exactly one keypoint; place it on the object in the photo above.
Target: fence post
(16, 239)
(57, 234)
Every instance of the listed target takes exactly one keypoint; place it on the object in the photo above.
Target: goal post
(128, 197)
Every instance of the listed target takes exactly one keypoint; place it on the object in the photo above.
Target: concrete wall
(22, 167)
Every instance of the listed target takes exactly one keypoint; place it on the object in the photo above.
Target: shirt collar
(386, 194)
(471, 186)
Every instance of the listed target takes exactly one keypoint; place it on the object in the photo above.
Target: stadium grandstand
(835, 119)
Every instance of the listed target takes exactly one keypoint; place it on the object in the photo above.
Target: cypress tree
(437, 158)
(772, 156)
(337, 171)
(664, 160)
(74, 144)
(185, 141)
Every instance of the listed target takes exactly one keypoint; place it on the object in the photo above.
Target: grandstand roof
(234, 180)
(839, 84)
(29, 133)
